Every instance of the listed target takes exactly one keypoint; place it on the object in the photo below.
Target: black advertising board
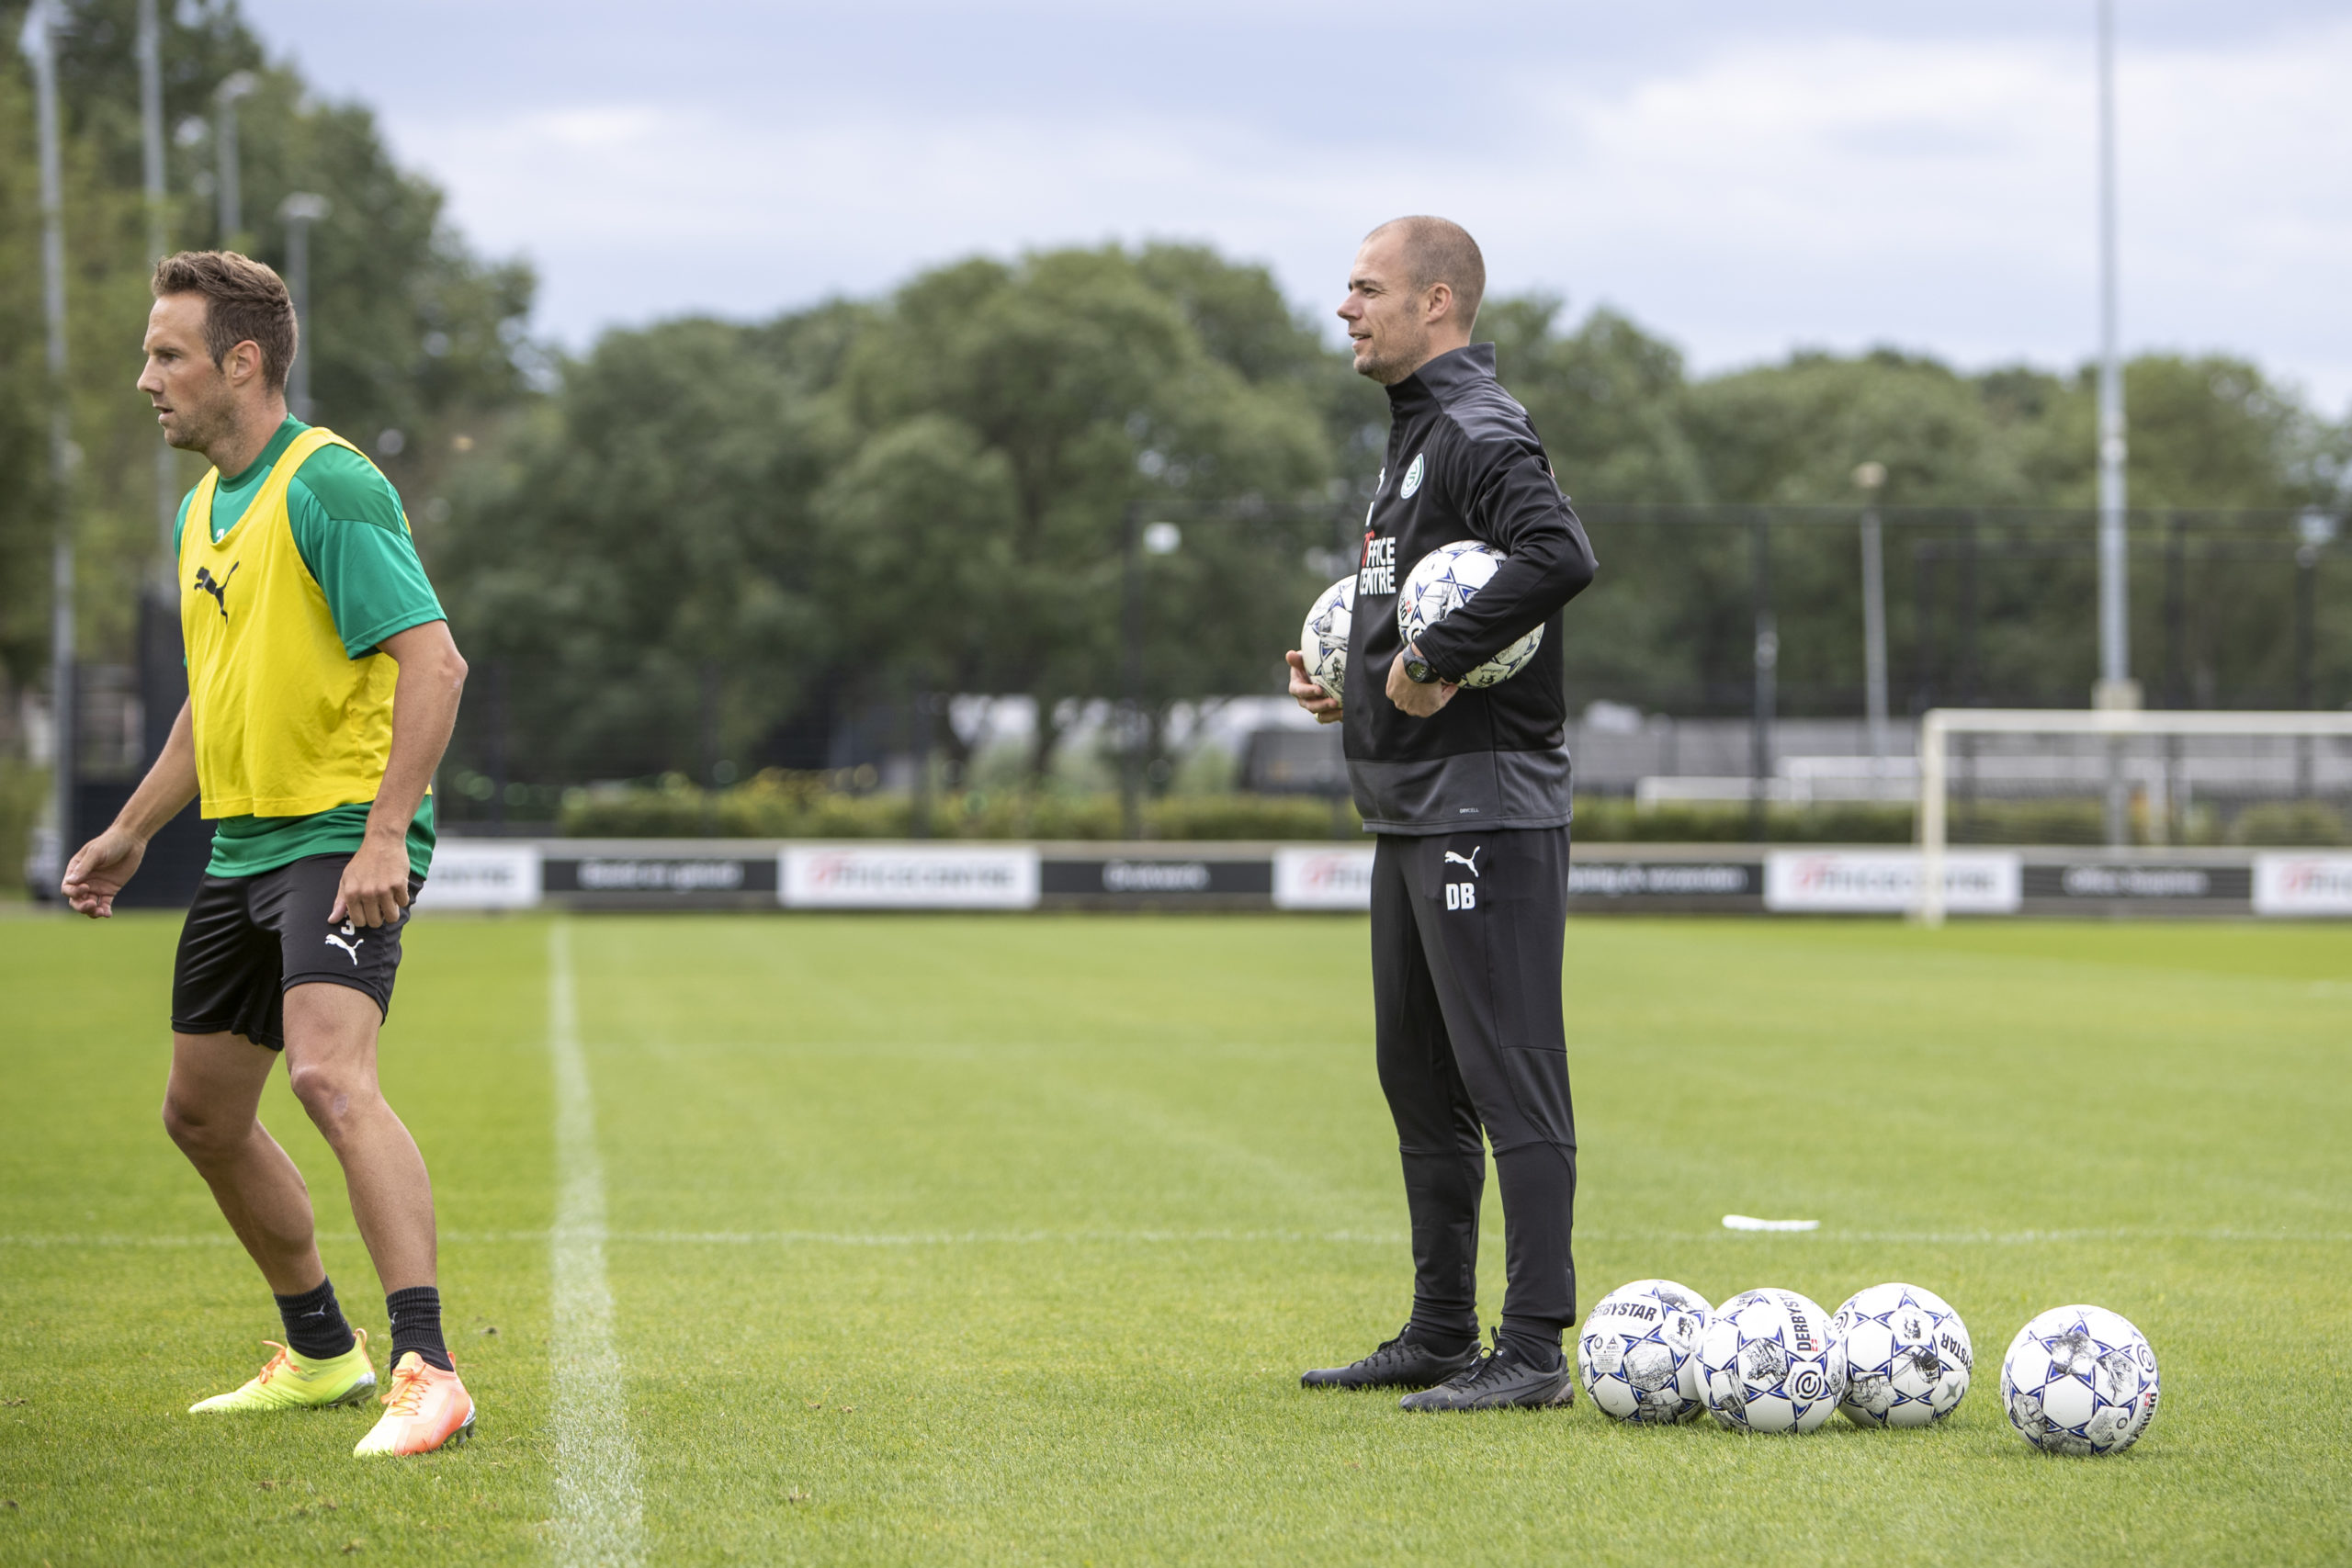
(652, 878)
(1157, 881)
(2140, 885)
(1650, 879)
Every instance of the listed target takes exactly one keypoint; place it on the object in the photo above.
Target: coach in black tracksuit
(1469, 791)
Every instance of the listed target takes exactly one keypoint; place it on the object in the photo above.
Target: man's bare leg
(210, 1109)
(331, 1061)
(331, 1058)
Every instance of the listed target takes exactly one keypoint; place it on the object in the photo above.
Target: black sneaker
(1402, 1363)
(1499, 1382)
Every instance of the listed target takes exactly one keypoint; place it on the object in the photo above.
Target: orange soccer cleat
(426, 1409)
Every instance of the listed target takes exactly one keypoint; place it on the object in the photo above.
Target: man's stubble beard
(200, 426)
(1401, 360)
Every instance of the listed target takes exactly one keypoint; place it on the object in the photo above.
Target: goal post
(1939, 727)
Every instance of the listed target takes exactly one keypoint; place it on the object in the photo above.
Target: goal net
(2129, 777)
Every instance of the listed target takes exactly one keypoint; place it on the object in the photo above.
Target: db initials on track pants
(1467, 930)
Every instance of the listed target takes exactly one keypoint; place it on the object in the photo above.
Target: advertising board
(2193, 887)
(908, 876)
(1323, 879)
(475, 874)
(1637, 879)
(722, 874)
(1217, 879)
(1886, 882)
(2302, 883)
(637, 878)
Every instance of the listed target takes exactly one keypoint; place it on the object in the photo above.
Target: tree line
(722, 540)
(414, 336)
(707, 538)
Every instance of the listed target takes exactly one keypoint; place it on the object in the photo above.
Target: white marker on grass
(599, 1516)
(1750, 1222)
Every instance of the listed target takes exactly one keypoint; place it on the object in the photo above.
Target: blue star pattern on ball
(1769, 1363)
(1323, 641)
(2081, 1381)
(1441, 582)
(1907, 1356)
(1637, 1356)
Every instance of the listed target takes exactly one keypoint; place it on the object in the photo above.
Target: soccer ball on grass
(1907, 1356)
(1768, 1362)
(1638, 1354)
(2079, 1379)
(1441, 582)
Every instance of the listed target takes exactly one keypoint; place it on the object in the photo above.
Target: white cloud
(1839, 190)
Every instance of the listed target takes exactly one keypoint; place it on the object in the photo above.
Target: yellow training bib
(286, 724)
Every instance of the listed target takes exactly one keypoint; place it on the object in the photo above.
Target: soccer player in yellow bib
(323, 685)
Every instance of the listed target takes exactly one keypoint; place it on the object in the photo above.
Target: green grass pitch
(1003, 1240)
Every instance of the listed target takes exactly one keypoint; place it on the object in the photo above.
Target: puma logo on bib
(220, 591)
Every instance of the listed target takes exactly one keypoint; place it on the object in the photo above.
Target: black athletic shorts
(249, 939)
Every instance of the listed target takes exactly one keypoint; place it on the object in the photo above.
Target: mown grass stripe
(598, 1235)
(600, 1515)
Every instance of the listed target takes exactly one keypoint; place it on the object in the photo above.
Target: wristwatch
(1417, 669)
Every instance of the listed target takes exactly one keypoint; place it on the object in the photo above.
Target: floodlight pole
(150, 127)
(2115, 687)
(2314, 529)
(224, 153)
(1767, 660)
(301, 211)
(1868, 478)
(162, 681)
(39, 42)
(1131, 632)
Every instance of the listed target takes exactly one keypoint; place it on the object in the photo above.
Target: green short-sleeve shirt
(352, 536)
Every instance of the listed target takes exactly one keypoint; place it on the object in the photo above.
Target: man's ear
(242, 362)
(1440, 304)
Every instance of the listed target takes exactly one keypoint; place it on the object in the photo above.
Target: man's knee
(332, 1094)
(203, 1133)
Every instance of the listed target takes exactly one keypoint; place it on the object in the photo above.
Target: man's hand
(375, 885)
(424, 706)
(1310, 696)
(1413, 698)
(98, 870)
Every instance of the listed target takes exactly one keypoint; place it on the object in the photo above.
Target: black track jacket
(1464, 463)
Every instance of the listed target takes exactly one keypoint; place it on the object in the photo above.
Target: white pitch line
(599, 1515)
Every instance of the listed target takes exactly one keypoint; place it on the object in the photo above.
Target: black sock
(416, 1325)
(1537, 1344)
(315, 1330)
(1445, 1341)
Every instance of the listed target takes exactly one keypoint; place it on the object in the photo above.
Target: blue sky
(1743, 178)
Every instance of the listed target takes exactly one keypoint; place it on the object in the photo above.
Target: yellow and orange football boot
(292, 1382)
(428, 1408)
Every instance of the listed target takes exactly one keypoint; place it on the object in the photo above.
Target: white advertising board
(1886, 882)
(471, 873)
(2302, 885)
(1323, 879)
(905, 877)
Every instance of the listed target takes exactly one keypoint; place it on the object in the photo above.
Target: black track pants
(1467, 930)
